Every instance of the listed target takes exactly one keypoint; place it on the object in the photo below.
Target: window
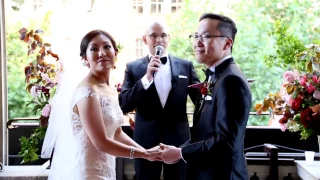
(175, 5)
(37, 4)
(156, 6)
(138, 6)
(139, 48)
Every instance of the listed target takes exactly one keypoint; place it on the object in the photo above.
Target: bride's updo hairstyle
(89, 36)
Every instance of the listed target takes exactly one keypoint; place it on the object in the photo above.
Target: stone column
(3, 88)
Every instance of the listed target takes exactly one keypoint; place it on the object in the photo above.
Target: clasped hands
(166, 153)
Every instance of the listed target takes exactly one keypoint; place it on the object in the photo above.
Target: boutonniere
(206, 88)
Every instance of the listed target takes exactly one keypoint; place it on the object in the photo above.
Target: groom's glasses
(203, 38)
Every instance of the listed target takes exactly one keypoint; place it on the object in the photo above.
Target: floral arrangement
(41, 75)
(298, 101)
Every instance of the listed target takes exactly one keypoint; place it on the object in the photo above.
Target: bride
(85, 130)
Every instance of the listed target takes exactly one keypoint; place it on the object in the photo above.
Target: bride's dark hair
(89, 36)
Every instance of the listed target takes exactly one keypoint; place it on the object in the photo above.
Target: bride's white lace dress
(89, 163)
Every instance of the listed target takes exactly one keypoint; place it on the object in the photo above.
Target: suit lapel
(143, 67)
(175, 69)
(219, 69)
(215, 77)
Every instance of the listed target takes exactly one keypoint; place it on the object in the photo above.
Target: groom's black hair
(226, 26)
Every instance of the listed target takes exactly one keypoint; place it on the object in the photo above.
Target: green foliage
(17, 58)
(38, 103)
(287, 47)
(29, 146)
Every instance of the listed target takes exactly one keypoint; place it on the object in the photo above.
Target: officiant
(156, 86)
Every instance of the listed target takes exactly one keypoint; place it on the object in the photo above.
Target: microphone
(159, 50)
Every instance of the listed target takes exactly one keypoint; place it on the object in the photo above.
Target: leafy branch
(287, 46)
(41, 78)
(29, 146)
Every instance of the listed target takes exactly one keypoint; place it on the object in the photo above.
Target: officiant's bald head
(156, 33)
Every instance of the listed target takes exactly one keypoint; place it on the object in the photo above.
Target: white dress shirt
(162, 80)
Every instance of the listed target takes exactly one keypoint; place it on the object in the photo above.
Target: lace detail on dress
(90, 163)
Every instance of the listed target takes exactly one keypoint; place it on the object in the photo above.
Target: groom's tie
(208, 73)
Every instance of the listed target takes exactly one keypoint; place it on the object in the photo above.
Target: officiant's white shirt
(162, 80)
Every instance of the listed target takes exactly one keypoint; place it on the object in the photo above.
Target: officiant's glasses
(155, 36)
(204, 38)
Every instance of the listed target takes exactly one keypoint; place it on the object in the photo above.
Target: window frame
(177, 5)
(160, 7)
(139, 48)
(3, 89)
(136, 4)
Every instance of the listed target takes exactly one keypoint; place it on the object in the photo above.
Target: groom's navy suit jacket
(215, 150)
(153, 123)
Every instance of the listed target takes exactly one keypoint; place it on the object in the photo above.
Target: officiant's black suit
(153, 123)
(215, 150)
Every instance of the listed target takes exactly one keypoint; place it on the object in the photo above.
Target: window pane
(173, 9)
(153, 8)
(140, 10)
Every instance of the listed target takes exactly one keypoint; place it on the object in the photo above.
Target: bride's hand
(154, 149)
(154, 154)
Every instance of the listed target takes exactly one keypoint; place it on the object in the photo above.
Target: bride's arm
(91, 117)
(125, 139)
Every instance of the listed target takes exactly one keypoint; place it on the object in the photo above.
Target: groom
(215, 150)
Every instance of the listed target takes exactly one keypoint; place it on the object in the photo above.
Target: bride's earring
(85, 63)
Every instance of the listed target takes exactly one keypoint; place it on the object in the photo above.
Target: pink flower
(46, 78)
(290, 101)
(283, 127)
(46, 110)
(316, 94)
(315, 79)
(289, 76)
(34, 91)
(310, 88)
(303, 81)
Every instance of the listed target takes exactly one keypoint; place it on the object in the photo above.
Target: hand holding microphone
(154, 63)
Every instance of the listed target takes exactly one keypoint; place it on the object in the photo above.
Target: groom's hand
(170, 154)
(154, 153)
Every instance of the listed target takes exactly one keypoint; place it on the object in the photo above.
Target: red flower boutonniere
(206, 88)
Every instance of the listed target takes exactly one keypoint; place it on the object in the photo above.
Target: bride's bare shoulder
(86, 88)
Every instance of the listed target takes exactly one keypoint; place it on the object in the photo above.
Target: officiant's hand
(153, 66)
(170, 154)
(154, 153)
